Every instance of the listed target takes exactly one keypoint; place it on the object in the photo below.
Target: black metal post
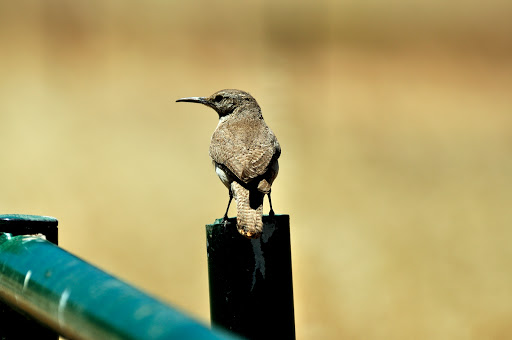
(16, 325)
(251, 290)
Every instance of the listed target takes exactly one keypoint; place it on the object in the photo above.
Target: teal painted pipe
(80, 301)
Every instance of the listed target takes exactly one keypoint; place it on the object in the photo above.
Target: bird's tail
(249, 206)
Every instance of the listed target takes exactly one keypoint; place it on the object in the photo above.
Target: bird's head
(224, 102)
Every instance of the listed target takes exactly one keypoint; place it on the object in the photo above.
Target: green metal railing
(46, 291)
(52, 287)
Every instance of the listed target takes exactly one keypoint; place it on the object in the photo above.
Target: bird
(245, 154)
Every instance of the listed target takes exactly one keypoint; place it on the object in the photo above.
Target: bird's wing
(246, 157)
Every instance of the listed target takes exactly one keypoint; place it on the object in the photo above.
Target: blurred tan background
(395, 120)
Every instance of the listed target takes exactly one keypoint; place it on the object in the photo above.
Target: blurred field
(395, 121)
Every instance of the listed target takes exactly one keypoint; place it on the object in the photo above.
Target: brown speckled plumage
(245, 153)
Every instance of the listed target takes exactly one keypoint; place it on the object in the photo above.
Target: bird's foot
(225, 221)
(271, 213)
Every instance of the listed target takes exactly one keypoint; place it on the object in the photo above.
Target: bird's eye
(218, 98)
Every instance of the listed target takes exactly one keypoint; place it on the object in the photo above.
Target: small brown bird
(245, 152)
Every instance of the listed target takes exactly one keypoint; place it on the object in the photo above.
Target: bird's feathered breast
(245, 145)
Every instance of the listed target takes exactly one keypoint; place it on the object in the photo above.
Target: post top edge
(13, 218)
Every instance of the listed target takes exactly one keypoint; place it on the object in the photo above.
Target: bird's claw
(225, 221)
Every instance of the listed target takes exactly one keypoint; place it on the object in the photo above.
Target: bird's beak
(200, 100)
